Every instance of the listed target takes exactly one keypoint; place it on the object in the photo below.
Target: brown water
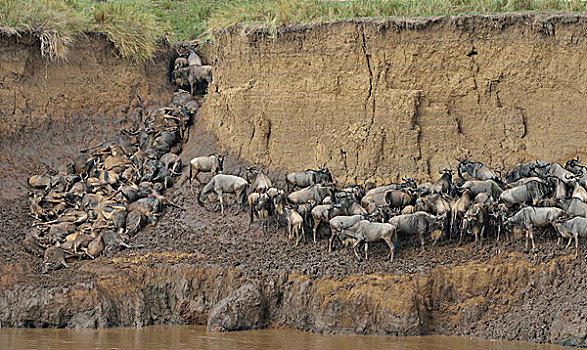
(192, 337)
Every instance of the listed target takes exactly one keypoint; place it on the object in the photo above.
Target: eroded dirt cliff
(379, 99)
(193, 259)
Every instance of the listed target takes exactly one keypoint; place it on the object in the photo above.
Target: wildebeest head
(324, 174)
(220, 158)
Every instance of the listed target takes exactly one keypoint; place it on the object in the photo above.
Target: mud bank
(165, 288)
(194, 262)
(376, 99)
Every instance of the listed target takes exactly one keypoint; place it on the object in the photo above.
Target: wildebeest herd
(111, 190)
(478, 202)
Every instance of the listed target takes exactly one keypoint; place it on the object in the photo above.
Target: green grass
(134, 26)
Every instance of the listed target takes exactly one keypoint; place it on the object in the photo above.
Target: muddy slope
(194, 259)
(379, 99)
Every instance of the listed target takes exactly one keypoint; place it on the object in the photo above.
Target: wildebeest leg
(299, 234)
(219, 193)
(355, 249)
(391, 247)
(315, 228)
(366, 251)
(332, 235)
(421, 230)
(531, 234)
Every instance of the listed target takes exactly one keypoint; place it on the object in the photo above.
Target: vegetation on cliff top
(134, 26)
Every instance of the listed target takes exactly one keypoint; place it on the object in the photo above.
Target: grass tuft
(133, 32)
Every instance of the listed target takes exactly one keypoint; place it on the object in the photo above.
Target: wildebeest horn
(568, 176)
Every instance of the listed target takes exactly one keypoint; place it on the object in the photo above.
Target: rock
(244, 309)
(569, 328)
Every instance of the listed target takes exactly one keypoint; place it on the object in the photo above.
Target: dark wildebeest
(475, 221)
(54, 259)
(530, 217)
(444, 184)
(213, 163)
(366, 231)
(571, 229)
(419, 222)
(522, 170)
(222, 183)
(475, 170)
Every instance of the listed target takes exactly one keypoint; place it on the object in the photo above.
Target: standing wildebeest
(317, 193)
(530, 217)
(339, 223)
(482, 186)
(260, 181)
(419, 222)
(458, 210)
(398, 199)
(308, 178)
(222, 183)
(529, 193)
(574, 207)
(444, 184)
(475, 170)
(475, 221)
(213, 163)
(295, 224)
(366, 231)
(571, 229)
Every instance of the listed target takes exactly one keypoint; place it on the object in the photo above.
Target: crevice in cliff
(370, 92)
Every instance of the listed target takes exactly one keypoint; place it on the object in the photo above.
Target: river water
(193, 337)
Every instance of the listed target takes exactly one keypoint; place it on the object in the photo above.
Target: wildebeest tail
(244, 195)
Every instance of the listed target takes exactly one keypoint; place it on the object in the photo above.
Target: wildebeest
(308, 178)
(475, 221)
(572, 229)
(482, 186)
(530, 217)
(265, 209)
(522, 170)
(213, 163)
(316, 192)
(420, 222)
(295, 224)
(222, 183)
(444, 184)
(458, 210)
(366, 231)
(574, 207)
(260, 182)
(339, 223)
(529, 193)
(323, 213)
(475, 170)
(54, 259)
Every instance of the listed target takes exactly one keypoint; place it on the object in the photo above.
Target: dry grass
(135, 25)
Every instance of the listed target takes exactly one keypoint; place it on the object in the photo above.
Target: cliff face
(381, 99)
(51, 110)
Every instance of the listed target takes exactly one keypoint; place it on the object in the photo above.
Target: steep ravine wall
(379, 99)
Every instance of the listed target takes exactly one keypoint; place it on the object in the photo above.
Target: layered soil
(194, 258)
(377, 99)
